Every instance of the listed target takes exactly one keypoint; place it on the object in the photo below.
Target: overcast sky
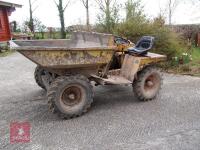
(186, 13)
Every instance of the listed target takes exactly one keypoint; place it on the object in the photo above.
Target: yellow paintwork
(69, 59)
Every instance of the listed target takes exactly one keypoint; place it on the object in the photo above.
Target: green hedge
(166, 41)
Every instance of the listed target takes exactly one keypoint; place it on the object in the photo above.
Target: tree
(24, 27)
(31, 19)
(134, 11)
(109, 15)
(61, 10)
(86, 5)
(15, 26)
(39, 27)
(172, 5)
(135, 23)
(159, 21)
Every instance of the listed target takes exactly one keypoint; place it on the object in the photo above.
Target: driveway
(117, 120)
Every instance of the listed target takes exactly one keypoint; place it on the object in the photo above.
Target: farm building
(6, 9)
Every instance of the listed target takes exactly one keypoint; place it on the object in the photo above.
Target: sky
(186, 13)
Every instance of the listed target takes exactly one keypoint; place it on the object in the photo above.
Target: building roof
(8, 4)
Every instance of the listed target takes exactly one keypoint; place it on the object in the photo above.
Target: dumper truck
(69, 69)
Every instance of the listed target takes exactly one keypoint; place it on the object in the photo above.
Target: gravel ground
(117, 120)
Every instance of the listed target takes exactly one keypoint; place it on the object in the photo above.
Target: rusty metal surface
(91, 39)
(132, 64)
(124, 47)
(78, 40)
(130, 67)
(69, 59)
(82, 50)
(111, 80)
(152, 58)
(115, 72)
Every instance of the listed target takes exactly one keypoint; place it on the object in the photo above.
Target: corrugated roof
(3, 3)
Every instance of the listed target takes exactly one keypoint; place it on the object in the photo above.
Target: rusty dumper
(68, 69)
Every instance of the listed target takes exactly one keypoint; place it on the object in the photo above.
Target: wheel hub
(151, 82)
(71, 96)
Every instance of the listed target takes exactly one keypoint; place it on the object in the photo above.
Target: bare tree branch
(61, 11)
(34, 2)
(35, 8)
(84, 3)
(66, 5)
(56, 3)
(172, 5)
(109, 11)
(101, 4)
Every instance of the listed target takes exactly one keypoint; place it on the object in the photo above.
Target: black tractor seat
(142, 46)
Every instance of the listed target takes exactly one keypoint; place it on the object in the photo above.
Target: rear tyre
(148, 83)
(70, 96)
(38, 77)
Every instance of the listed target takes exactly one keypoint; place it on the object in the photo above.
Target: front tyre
(148, 83)
(39, 72)
(70, 96)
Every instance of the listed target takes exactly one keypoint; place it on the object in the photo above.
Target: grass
(6, 53)
(195, 57)
(192, 68)
(195, 64)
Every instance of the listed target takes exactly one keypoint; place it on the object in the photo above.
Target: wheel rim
(152, 83)
(71, 96)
